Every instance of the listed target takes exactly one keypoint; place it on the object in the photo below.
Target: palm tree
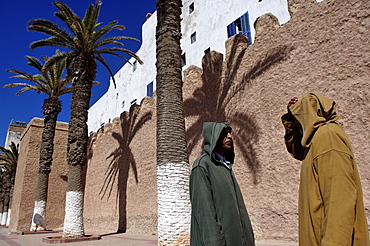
(51, 83)
(172, 159)
(8, 164)
(86, 45)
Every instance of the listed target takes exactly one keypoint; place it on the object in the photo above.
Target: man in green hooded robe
(330, 207)
(219, 216)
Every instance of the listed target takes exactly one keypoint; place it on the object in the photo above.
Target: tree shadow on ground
(219, 86)
(121, 160)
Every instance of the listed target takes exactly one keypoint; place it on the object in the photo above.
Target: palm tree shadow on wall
(121, 160)
(209, 102)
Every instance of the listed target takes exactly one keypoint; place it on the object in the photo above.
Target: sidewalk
(106, 240)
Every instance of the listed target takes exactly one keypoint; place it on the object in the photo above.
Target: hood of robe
(211, 134)
(312, 111)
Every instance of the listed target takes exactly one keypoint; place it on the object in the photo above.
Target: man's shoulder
(202, 161)
(331, 137)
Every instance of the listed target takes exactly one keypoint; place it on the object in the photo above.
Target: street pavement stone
(108, 239)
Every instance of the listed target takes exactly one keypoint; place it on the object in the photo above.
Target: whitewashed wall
(130, 85)
(209, 20)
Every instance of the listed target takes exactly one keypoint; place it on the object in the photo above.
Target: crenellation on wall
(265, 23)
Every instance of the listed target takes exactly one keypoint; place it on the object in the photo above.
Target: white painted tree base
(4, 218)
(39, 216)
(73, 221)
(173, 204)
(8, 217)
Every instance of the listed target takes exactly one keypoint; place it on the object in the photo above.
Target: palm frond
(112, 50)
(50, 42)
(50, 80)
(100, 32)
(105, 64)
(9, 157)
(114, 54)
(91, 17)
(34, 62)
(50, 28)
(57, 58)
(66, 14)
(110, 40)
(21, 75)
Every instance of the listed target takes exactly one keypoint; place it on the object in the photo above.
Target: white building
(14, 132)
(206, 24)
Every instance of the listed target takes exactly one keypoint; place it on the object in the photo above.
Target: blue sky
(15, 40)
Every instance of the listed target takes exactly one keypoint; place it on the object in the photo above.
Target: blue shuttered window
(149, 89)
(246, 30)
(231, 30)
(240, 25)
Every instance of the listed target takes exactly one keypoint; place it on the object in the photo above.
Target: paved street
(106, 239)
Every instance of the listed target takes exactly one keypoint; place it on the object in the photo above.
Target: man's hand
(292, 102)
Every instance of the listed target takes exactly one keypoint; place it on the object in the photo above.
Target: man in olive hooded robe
(331, 209)
(219, 216)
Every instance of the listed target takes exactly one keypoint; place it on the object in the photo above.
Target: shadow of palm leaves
(209, 101)
(121, 159)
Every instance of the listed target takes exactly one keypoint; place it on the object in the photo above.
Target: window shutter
(231, 30)
(244, 19)
(149, 89)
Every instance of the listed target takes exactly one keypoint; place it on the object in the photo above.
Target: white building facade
(206, 25)
(14, 132)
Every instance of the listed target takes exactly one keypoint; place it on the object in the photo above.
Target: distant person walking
(331, 209)
(219, 216)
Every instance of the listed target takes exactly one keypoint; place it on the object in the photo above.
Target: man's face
(225, 141)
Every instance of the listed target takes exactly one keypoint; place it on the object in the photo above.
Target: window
(191, 8)
(134, 66)
(183, 60)
(149, 89)
(133, 102)
(20, 123)
(240, 25)
(193, 37)
(207, 50)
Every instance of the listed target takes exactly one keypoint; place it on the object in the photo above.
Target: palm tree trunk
(73, 221)
(51, 108)
(172, 160)
(9, 209)
(83, 71)
(12, 181)
(2, 197)
(4, 219)
(1, 210)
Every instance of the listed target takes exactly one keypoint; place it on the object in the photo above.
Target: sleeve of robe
(335, 172)
(203, 209)
(293, 137)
